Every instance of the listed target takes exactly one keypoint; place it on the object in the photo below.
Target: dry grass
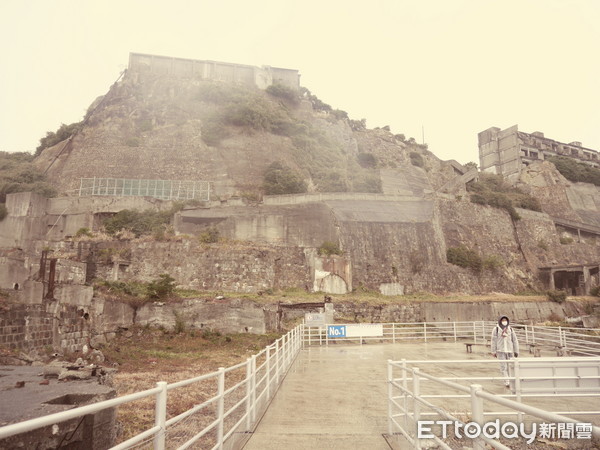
(145, 356)
(372, 297)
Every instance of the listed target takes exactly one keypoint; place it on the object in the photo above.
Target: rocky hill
(301, 196)
(158, 127)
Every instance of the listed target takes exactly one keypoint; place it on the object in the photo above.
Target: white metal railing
(241, 393)
(414, 395)
(563, 340)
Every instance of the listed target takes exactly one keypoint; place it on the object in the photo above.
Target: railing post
(560, 336)
(517, 375)
(425, 330)
(268, 366)
(405, 386)
(248, 393)
(393, 333)
(253, 388)
(160, 415)
(454, 327)
(390, 378)
(221, 407)
(416, 405)
(477, 414)
(277, 361)
(527, 334)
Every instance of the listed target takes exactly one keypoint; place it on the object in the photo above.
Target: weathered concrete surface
(336, 397)
(34, 400)
(235, 316)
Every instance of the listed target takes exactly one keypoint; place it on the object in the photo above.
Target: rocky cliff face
(560, 197)
(160, 127)
(157, 127)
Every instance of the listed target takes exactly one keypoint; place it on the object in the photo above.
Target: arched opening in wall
(332, 284)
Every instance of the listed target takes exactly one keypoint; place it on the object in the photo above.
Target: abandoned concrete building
(508, 151)
(575, 279)
(261, 77)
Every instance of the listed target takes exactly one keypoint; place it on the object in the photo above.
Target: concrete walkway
(336, 397)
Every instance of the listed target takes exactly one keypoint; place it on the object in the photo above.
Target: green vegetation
(84, 232)
(492, 262)
(137, 293)
(470, 165)
(493, 191)
(286, 93)
(18, 174)
(576, 171)
(140, 223)
(367, 160)
(280, 179)
(464, 257)
(595, 291)
(329, 248)
(543, 244)
(133, 141)
(566, 240)
(54, 137)
(111, 254)
(315, 152)
(214, 131)
(209, 236)
(416, 159)
(556, 296)
(161, 287)
(470, 259)
(317, 104)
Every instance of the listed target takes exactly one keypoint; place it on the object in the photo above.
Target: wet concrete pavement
(336, 397)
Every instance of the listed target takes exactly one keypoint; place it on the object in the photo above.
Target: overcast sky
(449, 67)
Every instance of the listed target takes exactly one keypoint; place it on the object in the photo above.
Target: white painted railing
(562, 340)
(239, 395)
(414, 395)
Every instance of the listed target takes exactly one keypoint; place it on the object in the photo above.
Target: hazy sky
(452, 67)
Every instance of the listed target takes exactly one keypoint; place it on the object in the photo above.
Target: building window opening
(569, 281)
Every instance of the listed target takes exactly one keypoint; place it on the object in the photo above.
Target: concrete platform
(35, 400)
(336, 397)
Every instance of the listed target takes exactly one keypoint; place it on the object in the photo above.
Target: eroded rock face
(560, 197)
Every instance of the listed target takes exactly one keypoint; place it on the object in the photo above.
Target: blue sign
(336, 331)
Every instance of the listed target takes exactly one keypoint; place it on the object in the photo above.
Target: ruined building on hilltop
(261, 77)
(508, 151)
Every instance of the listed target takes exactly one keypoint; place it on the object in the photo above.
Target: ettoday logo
(508, 430)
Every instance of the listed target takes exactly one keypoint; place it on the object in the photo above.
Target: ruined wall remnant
(261, 77)
(44, 325)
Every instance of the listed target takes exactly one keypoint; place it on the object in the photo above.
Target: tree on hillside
(280, 179)
(17, 174)
(52, 138)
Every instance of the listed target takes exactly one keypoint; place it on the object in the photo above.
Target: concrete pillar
(587, 281)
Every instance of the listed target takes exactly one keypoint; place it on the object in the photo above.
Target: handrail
(412, 376)
(282, 353)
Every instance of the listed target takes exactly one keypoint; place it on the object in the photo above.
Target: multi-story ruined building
(508, 151)
(261, 77)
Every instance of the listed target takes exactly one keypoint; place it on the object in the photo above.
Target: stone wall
(234, 267)
(409, 312)
(43, 326)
